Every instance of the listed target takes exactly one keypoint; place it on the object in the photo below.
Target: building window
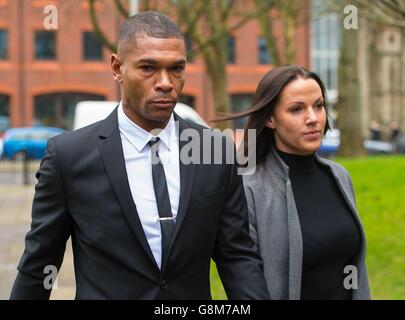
(92, 47)
(3, 44)
(57, 109)
(325, 47)
(4, 105)
(231, 49)
(45, 45)
(4, 113)
(264, 55)
(189, 48)
(240, 102)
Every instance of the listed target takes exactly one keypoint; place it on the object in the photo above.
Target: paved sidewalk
(15, 219)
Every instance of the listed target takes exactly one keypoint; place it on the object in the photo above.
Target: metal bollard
(25, 167)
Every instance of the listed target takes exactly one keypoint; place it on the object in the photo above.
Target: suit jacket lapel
(186, 181)
(113, 156)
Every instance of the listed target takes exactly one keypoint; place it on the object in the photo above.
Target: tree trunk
(349, 106)
(289, 37)
(216, 70)
(221, 96)
(266, 26)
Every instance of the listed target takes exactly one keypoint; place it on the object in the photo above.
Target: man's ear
(270, 123)
(116, 68)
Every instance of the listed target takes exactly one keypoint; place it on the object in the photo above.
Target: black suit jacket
(83, 192)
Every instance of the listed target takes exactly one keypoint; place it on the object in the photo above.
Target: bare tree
(387, 12)
(208, 23)
(291, 14)
(349, 105)
(390, 12)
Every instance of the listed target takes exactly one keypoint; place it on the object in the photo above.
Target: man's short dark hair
(146, 24)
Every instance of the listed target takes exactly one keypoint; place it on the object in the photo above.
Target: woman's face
(299, 118)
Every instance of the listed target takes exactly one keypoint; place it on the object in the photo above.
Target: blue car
(31, 141)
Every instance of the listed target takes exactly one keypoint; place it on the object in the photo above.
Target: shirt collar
(139, 137)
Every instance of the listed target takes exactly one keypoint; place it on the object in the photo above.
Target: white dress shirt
(138, 164)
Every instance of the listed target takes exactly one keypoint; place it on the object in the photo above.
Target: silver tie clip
(165, 218)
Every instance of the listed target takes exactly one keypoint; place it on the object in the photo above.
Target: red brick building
(44, 73)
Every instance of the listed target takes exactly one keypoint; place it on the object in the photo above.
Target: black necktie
(162, 198)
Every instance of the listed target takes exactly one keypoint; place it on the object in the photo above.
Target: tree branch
(120, 8)
(104, 40)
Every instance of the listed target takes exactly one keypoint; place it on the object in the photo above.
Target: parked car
(88, 112)
(188, 113)
(29, 140)
(378, 147)
(330, 143)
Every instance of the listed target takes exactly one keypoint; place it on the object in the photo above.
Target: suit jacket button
(163, 285)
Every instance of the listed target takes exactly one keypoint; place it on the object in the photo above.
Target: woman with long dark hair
(302, 209)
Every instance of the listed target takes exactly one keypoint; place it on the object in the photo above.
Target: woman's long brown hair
(265, 99)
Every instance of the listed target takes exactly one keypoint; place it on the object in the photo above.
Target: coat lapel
(280, 172)
(186, 180)
(113, 157)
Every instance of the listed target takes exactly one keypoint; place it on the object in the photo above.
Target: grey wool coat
(275, 226)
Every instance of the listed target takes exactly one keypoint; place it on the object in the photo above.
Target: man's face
(151, 76)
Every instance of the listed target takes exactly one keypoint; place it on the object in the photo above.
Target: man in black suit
(144, 222)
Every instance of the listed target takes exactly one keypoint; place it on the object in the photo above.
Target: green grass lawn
(379, 183)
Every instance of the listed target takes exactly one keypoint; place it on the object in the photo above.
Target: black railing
(20, 170)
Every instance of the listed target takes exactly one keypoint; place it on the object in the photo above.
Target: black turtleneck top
(331, 237)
